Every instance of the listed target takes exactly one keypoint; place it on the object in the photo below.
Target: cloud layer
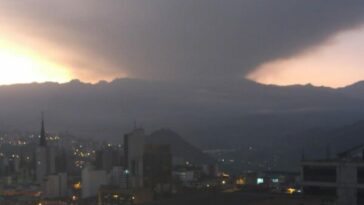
(173, 39)
(335, 64)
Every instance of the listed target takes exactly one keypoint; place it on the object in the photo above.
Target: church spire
(42, 141)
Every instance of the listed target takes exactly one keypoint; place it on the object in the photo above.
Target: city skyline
(170, 102)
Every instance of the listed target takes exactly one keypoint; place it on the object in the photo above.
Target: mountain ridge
(209, 115)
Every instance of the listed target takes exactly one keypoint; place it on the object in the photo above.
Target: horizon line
(129, 78)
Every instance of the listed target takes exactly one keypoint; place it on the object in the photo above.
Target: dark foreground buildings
(340, 180)
(158, 168)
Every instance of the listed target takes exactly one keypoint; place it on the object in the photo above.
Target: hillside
(180, 148)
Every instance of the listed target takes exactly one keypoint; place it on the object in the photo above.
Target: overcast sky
(189, 40)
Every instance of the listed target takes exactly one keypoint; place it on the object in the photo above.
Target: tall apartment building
(134, 145)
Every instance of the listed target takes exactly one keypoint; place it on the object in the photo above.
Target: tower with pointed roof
(43, 140)
(45, 156)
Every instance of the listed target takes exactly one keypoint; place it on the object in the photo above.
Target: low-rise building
(339, 180)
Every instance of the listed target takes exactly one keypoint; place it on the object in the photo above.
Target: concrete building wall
(41, 164)
(56, 186)
(51, 160)
(135, 150)
(92, 180)
(346, 183)
(45, 162)
(118, 177)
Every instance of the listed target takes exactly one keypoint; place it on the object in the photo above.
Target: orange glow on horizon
(22, 65)
(337, 63)
(37, 58)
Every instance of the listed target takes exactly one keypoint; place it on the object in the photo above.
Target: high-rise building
(107, 158)
(61, 161)
(134, 144)
(158, 168)
(117, 177)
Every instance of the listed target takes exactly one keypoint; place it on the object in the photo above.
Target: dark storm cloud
(184, 39)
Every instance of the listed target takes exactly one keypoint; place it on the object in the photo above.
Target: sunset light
(171, 102)
(20, 65)
(336, 63)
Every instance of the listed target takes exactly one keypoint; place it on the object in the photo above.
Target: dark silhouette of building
(45, 156)
(107, 158)
(61, 161)
(43, 138)
(157, 167)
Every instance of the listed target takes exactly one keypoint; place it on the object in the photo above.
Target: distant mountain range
(237, 114)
